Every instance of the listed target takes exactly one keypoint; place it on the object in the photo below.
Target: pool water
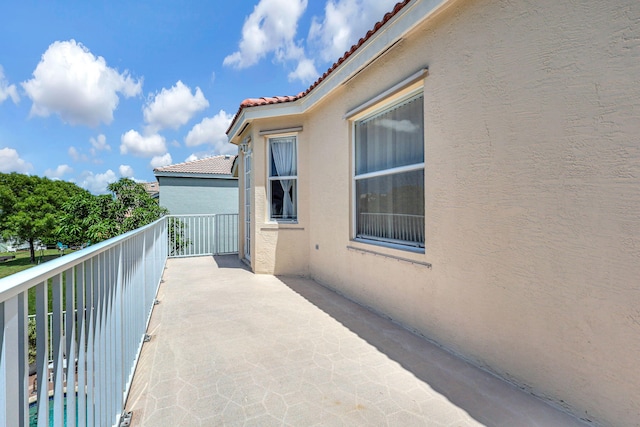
(33, 412)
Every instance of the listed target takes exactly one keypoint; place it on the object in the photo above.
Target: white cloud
(99, 144)
(159, 161)
(305, 71)
(172, 108)
(211, 130)
(126, 171)
(78, 86)
(191, 158)
(10, 161)
(7, 90)
(97, 183)
(58, 172)
(344, 23)
(142, 146)
(76, 155)
(271, 28)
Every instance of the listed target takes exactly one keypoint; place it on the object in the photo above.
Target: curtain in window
(283, 152)
(392, 138)
(390, 201)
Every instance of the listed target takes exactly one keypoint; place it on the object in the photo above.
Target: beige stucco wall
(277, 248)
(532, 180)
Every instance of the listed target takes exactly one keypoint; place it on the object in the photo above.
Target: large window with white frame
(389, 174)
(283, 178)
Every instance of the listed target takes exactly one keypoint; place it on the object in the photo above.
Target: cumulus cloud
(142, 145)
(172, 108)
(211, 130)
(272, 28)
(97, 183)
(126, 171)
(7, 90)
(76, 85)
(344, 23)
(159, 161)
(58, 172)
(10, 161)
(305, 71)
(192, 158)
(99, 143)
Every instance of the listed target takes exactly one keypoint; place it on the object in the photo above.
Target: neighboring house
(152, 189)
(470, 169)
(204, 186)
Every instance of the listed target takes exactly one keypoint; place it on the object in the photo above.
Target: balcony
(213, 344)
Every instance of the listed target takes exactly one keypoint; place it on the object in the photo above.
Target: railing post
(42, 351)
(58, 352)
(12, 363)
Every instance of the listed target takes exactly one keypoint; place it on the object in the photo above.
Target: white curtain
(283, 151)
(392, 138)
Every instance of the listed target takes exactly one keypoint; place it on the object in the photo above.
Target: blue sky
(93, 91)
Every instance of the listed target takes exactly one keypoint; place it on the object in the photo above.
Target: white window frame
(408, 92)
(248, 170)
(270, 178)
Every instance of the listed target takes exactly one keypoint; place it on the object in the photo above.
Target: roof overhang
(353, 62)
(193, 175)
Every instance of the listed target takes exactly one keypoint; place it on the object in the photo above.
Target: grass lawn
(22, 262)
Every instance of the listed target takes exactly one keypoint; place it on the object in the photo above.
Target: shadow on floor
(483, 396)
(230, 261)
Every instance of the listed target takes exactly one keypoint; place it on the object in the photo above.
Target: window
(389, 174)
(283, 178)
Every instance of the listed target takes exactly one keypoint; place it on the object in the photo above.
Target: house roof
(216, 165)
(151, 187)
(255, 102)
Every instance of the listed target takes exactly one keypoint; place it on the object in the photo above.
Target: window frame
(270, 179)
(373, 109)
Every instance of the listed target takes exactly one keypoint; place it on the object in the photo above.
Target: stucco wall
(532, 182)
(278, 248)
(184, 196)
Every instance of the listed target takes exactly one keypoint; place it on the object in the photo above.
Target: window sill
(275, 226)
(385, 250)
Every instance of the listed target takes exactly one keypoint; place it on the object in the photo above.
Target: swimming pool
(33, 412)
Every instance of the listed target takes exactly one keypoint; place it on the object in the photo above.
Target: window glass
(283, 171)
(392, 138)
(389, 174)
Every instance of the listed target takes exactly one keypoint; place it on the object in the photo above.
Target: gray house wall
(185, 196)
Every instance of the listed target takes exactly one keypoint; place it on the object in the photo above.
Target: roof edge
(254, 102)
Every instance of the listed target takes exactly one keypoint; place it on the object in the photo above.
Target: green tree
(30, 206)
(86, 217)
(132, 206)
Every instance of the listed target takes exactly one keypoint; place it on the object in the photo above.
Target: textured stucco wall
(183, 196)
(278, 248)
(532, 178)
(532, 197)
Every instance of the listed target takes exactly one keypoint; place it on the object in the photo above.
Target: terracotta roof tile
(254, 102)
(216, 165)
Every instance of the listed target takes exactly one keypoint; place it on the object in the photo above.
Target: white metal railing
(402, 228)
(111, 287)
(195, 235)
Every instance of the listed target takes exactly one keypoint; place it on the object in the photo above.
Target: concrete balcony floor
(232, 348)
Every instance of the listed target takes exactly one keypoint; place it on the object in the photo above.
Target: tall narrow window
(283, 178)
(247, 205)
(389, 174)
